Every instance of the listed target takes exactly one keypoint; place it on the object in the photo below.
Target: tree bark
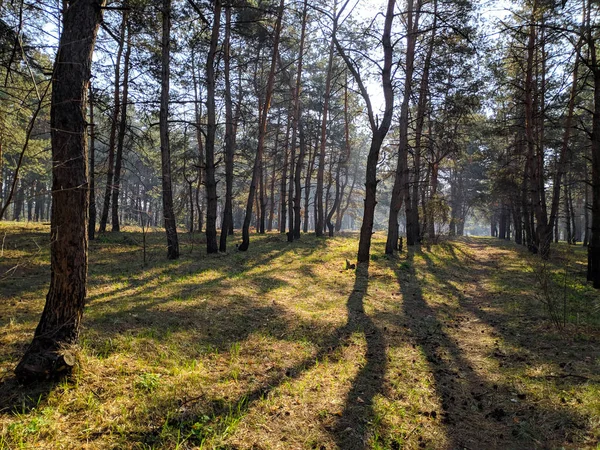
(421, 112)
(262, 200)
(283, 193)
(262, 131)
(211, 132)
(401, 180)
(165, 150)
(319, 220)
(294, 192)
(227, 222)
(113, 129)
(298, 182)
(198, 117)
(593, 273)
(92, 213)
(312, 154)
(47, 356)
(122, 129)
(378, 132)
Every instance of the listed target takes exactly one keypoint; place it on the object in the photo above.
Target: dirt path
(502, 376)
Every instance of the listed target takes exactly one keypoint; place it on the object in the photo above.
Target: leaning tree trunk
(261, 133)
(47, 356)
(165, 151)
(378, 132)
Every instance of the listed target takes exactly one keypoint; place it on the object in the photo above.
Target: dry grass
(280, 348)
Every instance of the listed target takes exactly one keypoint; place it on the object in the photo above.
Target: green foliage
(148, 382)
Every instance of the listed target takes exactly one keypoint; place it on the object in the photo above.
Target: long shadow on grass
(477, 412)
(526, 329)
(351, 430)
(142, 316)
(532, 342)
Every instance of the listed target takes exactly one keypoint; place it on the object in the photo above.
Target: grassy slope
(279, 348)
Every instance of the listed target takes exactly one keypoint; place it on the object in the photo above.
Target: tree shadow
(142, 314)
(351, 429)
(541, 341)
(477, 410)
(17, 399)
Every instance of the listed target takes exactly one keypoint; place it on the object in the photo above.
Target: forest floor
(457, 345)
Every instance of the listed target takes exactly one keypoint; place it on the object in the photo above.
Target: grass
(280, 347)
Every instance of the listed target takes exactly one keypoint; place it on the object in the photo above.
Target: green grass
(281, 347)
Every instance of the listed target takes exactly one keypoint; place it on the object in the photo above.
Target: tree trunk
(113, 129)
(198, 117)
(190, 193)
(432, 203)
(312, 154)
(262, 131)
(401, 180)
(336, 200)
(92, 213)
(421, 112)
(342, 166)
(283, 194)
(227, 222)
(594, 244)
(297, 182)
(319, 220)
(586, 208)
(18, 206)
(569, 236)
(342, 211)
(47, 356)
(211, 132)
(272, 178)
(262, 199)
(165, 150)
(122, 130)
(378, 132)
(573, 219)
(30, 199)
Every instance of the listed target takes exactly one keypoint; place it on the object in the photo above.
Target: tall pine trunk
(593, 273)
(320, 213)
(60, 322)
(401, 190)
(92, 208)
(211, 132)
(165, 150)
(378, 132)
(122, 130)
(262, 131)
(113, 129)
(227, 222)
